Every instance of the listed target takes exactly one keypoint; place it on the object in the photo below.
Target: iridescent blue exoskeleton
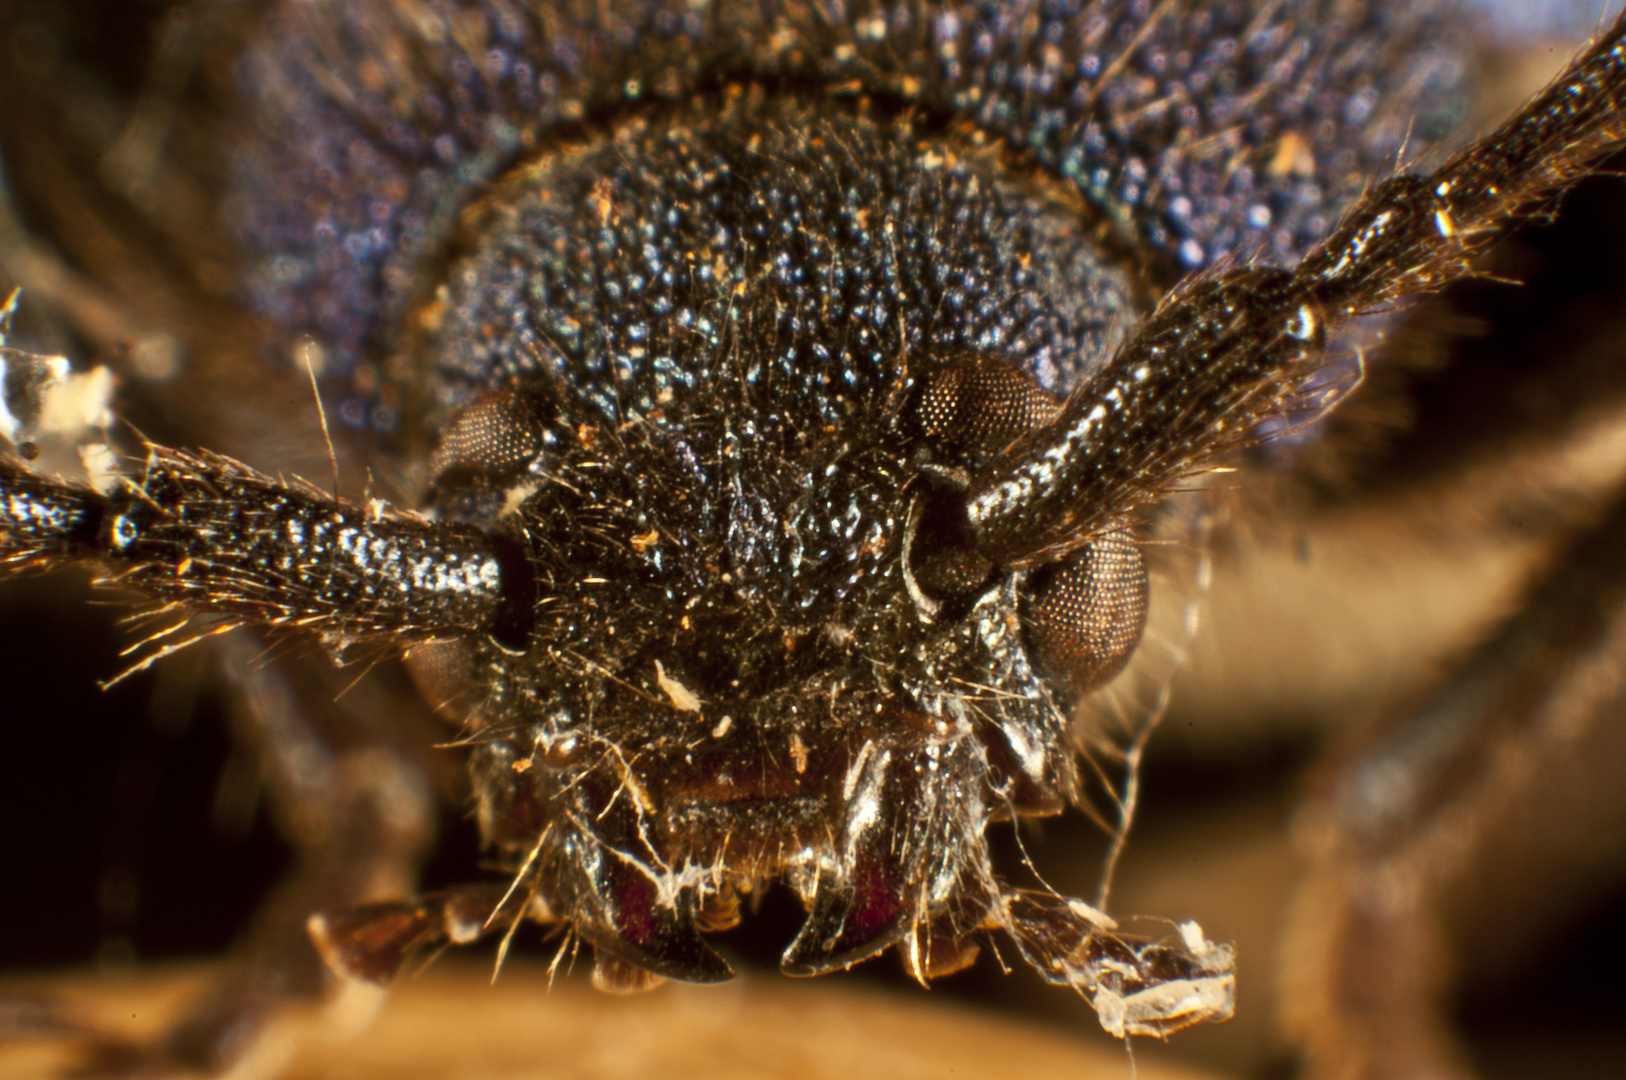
(775, 398)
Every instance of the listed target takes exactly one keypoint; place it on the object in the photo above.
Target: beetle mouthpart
(622, 912)
(625, 901)
(373, 943)
(1137, 986)
(851, 921)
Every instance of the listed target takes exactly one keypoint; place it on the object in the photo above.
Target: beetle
(788, 394)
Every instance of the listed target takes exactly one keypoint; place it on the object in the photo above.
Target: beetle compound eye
(492, 442)
(481, 474)
(978, 406)
(1086, 615)
(790, 371)
(443, 672)
(970, 410)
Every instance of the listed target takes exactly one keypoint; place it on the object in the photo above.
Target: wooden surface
(451, 1023)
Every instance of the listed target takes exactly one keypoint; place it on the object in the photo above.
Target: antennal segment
(212, 535)
(1211, 361)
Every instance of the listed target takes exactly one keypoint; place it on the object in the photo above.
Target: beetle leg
(347, 790)
(1428, 802)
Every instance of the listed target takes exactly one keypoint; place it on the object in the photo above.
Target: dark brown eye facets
(1195, 379)
(1087, 614)
(782, 384)
(982, 405)
(718, 315)
(728, 305)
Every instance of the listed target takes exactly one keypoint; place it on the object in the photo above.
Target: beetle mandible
(781, 391)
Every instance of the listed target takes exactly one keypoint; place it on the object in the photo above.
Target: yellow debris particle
(683, 699)
(1293, 156)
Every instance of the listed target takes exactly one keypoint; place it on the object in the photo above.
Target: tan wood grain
(451, 1023)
